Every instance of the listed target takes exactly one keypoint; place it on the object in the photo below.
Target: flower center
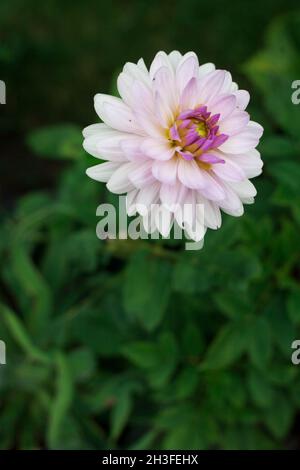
(195, 134)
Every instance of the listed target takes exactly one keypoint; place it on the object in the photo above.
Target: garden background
(139, 344)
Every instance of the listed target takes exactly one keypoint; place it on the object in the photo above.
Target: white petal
(163, 220)
(212, 214)
(190, 174)
(172, 195)
(165, 94)
(99, 128)
(244, 189)
(103, 171)
(175, 58)
(138, 72)
(227, 84)
(105, 145)
(142, 175)
(131, 202)
(243, 98)
(165, 171)
(160, 60)
(205, 69)
(246, 140)
(210, 85)
(187, 68)
(228, 171)
(189, 96)
(213, 189)
(116, 114)
(119, 181)
(234, 123)
(157, 149)
(146, 197)
(250, 162)
(124, 84)
(231, 204)
(131, 148)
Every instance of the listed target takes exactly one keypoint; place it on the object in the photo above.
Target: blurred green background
(131, 344)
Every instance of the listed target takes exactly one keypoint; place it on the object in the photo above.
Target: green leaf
(260, 389)
(293, 306)
(147, 289)
(81, 363)
(260, 342)
(20, 335)
(275, 67)
(62, 141)
(36, 299)
(227, 347)
(159, 359)
(279, 416)
(61, 403)
(120, 414)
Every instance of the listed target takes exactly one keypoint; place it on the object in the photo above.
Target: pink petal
(142, 175)
(190, 174)
(189, 96)
(131, 148)
(165, 95)
(235, 123)
(210, 85)
(213, 189)
(223, 105)
(165, 171)
(229, 171)
(187, 68)
(158, 150)
(246, 140)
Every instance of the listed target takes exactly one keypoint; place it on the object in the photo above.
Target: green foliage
(141, 344)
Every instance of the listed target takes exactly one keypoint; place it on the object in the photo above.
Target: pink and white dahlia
(178, 135)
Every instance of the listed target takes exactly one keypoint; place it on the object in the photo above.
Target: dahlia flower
(178, 135)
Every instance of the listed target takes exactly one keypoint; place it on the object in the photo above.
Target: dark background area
(129, 344)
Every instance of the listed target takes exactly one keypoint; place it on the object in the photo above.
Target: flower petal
(116, 114)
(187, 68)
(206, 69)
(235, 123)
(223, 105)
(228, 171)
(119, 181)
(246, 140)
(190, 174)
(103, 171)
(142, 175)
(243, 98)
(210, 85)
(157, 149)
(165, 171)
